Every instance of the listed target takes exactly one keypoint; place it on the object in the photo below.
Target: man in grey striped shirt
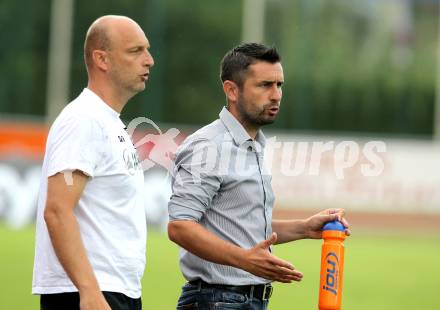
(221, 206)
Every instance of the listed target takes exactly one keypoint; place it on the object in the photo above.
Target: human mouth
(145, 76)
(273, 110)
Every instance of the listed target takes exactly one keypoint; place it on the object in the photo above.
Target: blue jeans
(217, 298)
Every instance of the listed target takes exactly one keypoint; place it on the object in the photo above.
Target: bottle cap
(333, 225)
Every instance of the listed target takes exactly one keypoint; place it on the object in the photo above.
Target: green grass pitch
(383, 271)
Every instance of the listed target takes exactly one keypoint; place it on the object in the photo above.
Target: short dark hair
(235, 63)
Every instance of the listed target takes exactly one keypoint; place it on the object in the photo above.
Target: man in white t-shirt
(91, 224)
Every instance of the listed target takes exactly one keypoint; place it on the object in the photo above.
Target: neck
(109, 95)
(251, 129)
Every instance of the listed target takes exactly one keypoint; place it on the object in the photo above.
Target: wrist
(305, 228)
(89, 287)
(239, 258)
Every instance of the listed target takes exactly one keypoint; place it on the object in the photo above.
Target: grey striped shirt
(219, 181)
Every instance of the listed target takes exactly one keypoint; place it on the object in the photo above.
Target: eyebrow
(136, 47)
(139, 46)
(271, 81)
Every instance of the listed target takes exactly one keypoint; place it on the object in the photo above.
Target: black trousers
(70, 301)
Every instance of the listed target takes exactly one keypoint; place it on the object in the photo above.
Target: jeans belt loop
(267, 291)
(251, 293)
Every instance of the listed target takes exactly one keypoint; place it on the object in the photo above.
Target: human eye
(135, 50)
(265, 84)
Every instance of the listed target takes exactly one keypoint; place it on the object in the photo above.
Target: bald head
(101, 33)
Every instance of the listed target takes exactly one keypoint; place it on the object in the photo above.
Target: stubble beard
(255, 119)
(128, 86)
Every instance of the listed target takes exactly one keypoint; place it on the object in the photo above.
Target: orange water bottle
(332, 266)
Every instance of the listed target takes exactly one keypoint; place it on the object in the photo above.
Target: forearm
(198, 240)
(66, 240)
(257, 260)
(289, 230)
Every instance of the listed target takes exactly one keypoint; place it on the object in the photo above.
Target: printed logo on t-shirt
(131, 160)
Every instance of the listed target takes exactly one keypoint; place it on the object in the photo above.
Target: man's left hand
(314, 224)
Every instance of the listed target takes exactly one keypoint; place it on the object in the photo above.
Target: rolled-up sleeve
(195, 180)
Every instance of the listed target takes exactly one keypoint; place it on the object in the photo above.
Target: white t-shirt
(89, 136)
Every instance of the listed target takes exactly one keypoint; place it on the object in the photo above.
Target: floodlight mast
(253, 21)
(59, 59)
(436, 117)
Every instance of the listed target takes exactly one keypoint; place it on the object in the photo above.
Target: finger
(268, 242)
(279, 278)
(338, 211)
(345, 222)
(331, 211)
(298, 274)
(297, 279)
(285, 276)
(289, 272)
(276, 273)
(289, 279)
(269, 275)
(280, 263)
(273, 238)
(329, 217)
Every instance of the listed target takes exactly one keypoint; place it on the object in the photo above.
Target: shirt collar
(238, 133)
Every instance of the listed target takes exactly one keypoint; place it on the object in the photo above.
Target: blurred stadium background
(360, 70)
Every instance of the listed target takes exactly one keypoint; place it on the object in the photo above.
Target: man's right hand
(260, 262)
(93, 301)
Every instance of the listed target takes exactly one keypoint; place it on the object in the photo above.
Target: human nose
(148, 60)
(276, 94)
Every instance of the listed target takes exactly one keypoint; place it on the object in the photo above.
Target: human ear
(231, 90)
(100, 58)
